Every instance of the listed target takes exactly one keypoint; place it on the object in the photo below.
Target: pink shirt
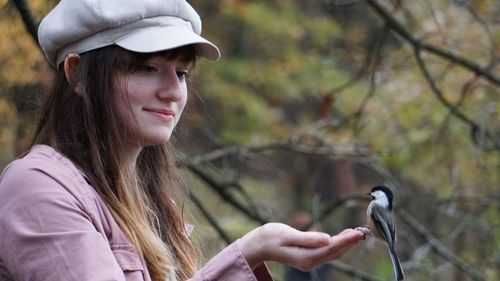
(54, 226)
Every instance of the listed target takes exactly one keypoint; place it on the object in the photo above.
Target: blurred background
(312, 104)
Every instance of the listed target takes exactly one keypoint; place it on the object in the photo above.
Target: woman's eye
(182, 74)
(147, 68)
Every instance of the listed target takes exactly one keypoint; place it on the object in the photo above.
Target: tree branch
(29, 19)
(219, 189)
(396, 26)
(340, 202)
(475, 127)
(292, 145)
(438, 247)
(351, 271)
(211, 220)
(377, 49)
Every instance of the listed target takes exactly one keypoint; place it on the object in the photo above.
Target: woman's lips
(163, 114)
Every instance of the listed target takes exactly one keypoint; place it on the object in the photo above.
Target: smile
(163, 114)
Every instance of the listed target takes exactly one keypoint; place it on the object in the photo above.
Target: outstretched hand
(302, 250)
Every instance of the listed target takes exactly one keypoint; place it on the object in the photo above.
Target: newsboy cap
(144, 26)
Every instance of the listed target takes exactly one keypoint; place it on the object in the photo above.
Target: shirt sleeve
(47, 233)
(230, 264)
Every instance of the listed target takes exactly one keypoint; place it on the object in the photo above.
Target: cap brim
(161, 38)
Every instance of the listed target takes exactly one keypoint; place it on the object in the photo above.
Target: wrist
(251, 248)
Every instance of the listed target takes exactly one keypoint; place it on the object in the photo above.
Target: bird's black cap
(385, 190)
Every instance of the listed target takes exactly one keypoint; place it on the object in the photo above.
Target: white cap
(144, 26)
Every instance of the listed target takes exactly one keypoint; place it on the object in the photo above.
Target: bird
(380, 220)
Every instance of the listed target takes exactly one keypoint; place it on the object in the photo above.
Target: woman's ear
(70, 64)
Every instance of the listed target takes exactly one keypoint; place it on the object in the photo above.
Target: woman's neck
(130, 156)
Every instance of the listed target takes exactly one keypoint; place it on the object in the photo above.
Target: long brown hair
(83, 127)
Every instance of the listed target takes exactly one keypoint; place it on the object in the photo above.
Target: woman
(94, 198)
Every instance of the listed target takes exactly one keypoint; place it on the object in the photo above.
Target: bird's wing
(384, 222)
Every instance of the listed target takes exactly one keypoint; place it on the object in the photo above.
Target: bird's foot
(365, 229)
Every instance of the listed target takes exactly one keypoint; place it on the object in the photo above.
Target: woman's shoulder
(42, 158)
(41, 170)
(51, 220)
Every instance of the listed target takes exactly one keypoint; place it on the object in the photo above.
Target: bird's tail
(396, 264)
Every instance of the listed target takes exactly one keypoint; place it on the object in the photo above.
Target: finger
(341, 250)
(344, 231)
(308, 239)
(305, 259)
(343, 241)
(340, 244)
(350, 234)
(365, 230)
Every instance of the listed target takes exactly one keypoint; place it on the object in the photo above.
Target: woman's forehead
(169, 58)
(185, 54)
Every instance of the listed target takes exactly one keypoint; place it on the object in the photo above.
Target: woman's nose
(172, 87)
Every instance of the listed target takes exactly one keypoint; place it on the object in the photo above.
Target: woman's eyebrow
(188, 64)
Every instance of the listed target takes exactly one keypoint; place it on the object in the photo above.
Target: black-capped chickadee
(381, 221)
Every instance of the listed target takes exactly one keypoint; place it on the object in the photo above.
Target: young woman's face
(149, 100)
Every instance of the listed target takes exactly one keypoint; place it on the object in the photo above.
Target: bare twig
(396, 26)
(352, 271)
(475, 127)
(211, 220)
(438, 247)
(227, 196)
(330, 208)
(292, 145)
(377, 49)
(483, 24)
(29, 19)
